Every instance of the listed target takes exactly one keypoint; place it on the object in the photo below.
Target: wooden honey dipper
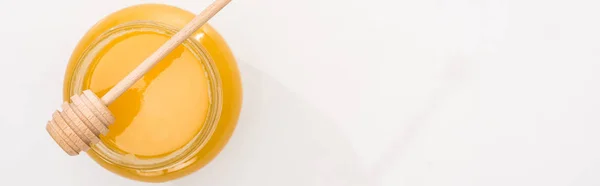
(79, 125)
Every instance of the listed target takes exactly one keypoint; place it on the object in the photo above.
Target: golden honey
(180, 114)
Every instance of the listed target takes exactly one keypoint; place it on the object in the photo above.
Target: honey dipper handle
(163, 51)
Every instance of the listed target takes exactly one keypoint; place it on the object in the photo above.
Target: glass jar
(224, 91)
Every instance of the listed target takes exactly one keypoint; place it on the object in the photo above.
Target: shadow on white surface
(280, 140)
(451, 80)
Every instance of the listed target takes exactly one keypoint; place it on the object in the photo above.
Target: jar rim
(175, 160)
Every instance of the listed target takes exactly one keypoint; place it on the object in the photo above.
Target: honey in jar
(176, 118)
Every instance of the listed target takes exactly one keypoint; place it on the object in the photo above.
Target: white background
(349, 92)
